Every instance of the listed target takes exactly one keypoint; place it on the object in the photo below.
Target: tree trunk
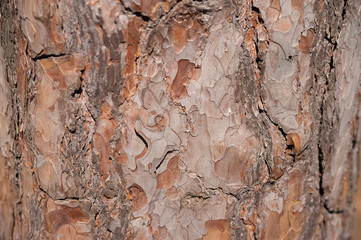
(165, 119)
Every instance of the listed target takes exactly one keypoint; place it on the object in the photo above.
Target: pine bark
(165, 119)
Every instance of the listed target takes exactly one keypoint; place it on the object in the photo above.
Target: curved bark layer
(165, 119)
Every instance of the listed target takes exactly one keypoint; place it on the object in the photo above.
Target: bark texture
(165, 119)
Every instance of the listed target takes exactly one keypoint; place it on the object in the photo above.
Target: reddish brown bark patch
(178, 36)
(151, 8)
(167, 178)
(306, 41)
(216, 224)
(186, 72)
(76, 214)
(139, 198)
(132, 36)
(283, 24)
(64, 70)
(234, 166)
(218, 229)
(294, 142)
(121, 156)
(55, 219)
(103, 152)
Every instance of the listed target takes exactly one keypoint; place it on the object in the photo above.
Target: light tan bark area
(165, 119)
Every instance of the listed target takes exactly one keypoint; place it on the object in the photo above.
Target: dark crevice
(354, 141)
(79, 91)
(354, 137)
(329, 39)
(72, 130)
(320, 157)
(332, 211)
(291, 57)
(260, 19)
(60, 199)
(45, 56)
(140, 15)
(259, 62)
(46, 193)
(334, 47)
(141, 138)
(274, 123)
(332, 40)
(136, 59)
(255, 9)
(68, 198)
(320, 170)
(344, 9)
(160, 163)
(332, 64)
(136, 13)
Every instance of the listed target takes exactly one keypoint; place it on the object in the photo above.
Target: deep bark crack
(136, 13)
(46, 56)
(324, 90)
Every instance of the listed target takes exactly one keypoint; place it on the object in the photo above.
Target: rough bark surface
(165, 119)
